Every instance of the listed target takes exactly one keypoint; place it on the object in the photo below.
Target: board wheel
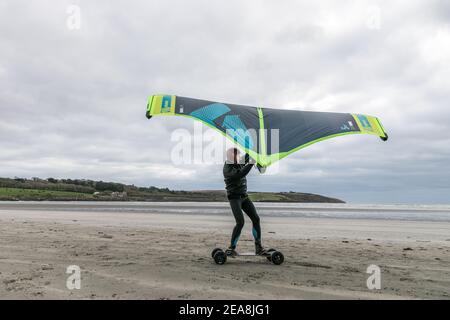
(277, 257)
(220, 257)
(269, 257)
(214, 252)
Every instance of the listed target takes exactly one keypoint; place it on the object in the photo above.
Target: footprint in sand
(350, 270)
(311, 265)
(8, 281)
(46, 267)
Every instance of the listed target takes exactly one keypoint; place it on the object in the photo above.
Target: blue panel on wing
(238, 131)
(210, 112)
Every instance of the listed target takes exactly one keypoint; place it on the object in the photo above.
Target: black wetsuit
(236, 186)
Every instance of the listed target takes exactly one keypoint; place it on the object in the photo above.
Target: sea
(418, 212)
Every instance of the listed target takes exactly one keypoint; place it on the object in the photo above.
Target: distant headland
(37, 189)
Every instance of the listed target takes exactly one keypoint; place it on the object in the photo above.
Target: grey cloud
(72, 103)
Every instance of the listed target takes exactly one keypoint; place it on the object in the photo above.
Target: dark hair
(235, 153)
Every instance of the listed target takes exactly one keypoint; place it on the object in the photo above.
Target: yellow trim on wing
(372, 126)
(162, 105)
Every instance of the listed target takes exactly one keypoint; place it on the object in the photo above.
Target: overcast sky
(72, 101)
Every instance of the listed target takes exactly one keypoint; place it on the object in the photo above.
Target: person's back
(235, 179)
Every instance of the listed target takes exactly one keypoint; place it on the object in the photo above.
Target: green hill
(50, 189)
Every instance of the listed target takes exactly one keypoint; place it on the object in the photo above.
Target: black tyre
(277, 257)
(220, 257)
(269, 257)
(214, 252)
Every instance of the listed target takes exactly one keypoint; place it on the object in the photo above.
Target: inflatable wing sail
(266, 134)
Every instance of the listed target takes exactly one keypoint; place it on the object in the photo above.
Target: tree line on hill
(73, 185)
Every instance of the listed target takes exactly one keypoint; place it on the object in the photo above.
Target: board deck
(251, 254)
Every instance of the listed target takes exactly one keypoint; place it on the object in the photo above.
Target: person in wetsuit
(234, 173)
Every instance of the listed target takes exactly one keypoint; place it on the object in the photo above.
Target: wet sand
(167, 256)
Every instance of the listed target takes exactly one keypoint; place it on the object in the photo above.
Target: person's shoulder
(227, 167)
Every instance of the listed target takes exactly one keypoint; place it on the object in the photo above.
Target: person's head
(233, 155)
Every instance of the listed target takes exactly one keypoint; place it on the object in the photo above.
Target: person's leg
(235, 205)
(250, 210)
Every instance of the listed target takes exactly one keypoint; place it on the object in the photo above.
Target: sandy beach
(138, 255)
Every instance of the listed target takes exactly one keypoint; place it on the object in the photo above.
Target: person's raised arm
(237, 173)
